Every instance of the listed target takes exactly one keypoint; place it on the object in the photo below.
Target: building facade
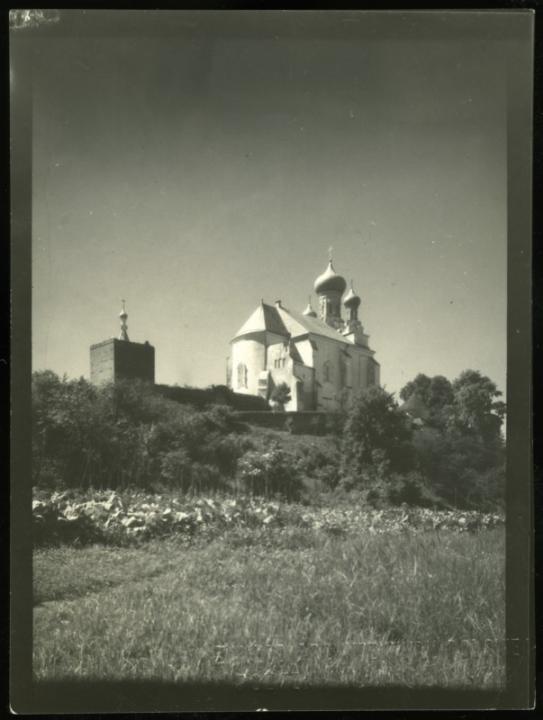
(323, 359)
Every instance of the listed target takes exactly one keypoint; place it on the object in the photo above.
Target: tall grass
(300, 607)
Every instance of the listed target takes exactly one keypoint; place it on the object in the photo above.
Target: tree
(476, 405)
(459, 449)
(436, 395)
(460, 467)
(376, 435)
(469, 404)
(280, 396)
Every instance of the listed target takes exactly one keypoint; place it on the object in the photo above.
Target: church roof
(265, 317)
(281, 321)
(300, 324)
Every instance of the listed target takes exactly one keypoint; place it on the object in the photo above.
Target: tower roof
(309, 312)
(351, 300)
(330, 281)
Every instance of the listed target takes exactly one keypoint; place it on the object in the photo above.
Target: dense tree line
(127, 434)
(443, 446)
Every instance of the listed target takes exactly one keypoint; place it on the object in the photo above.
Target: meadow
(393, 601)
(180, 545)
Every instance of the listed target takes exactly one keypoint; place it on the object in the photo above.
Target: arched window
(242, 375)
(326, 371)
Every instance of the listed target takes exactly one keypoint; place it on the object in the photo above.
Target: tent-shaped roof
(279, 320)
(264, 318)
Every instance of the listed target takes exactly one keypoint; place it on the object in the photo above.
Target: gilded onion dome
(330, 281)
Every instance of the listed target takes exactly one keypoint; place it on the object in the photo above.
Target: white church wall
(252, 351)
(298, 377)
(277, 355)
(247, 353)
(306, 396)
(362, 364)
(305, 349)
(327, 373)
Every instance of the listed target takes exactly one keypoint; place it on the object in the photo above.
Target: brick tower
(119, 358)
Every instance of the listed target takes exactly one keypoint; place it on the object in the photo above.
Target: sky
(194, 163)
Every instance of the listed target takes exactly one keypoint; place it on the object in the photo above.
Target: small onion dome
(351, 300)
(330, 280)
(309, 312)
(123, 313)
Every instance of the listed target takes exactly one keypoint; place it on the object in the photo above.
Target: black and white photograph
(274, 292)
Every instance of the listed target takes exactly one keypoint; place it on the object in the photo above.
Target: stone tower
(119, 358)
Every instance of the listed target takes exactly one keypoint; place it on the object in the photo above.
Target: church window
(371, 373)
(242, 375)
(326, 371)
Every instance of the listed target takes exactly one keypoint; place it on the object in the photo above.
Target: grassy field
(286, 606)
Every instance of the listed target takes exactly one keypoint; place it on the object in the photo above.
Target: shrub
(280, 396)
(270, 473)
(376, 436)
(411, 489)
(124, 434)
(176, 469)
(463, 469)
(314, 463)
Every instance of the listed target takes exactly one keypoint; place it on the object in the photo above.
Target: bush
(411, 489)
(127, 434)
(280, 396)
(463, 469)
(376, 436)
(271, 473)
(313, 463)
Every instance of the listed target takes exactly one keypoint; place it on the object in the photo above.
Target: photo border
(30, 697)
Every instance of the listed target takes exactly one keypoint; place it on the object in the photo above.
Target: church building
(325, 360)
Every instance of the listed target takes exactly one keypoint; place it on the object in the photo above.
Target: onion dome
(330, 281)
(309, 312)
(351, 300)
